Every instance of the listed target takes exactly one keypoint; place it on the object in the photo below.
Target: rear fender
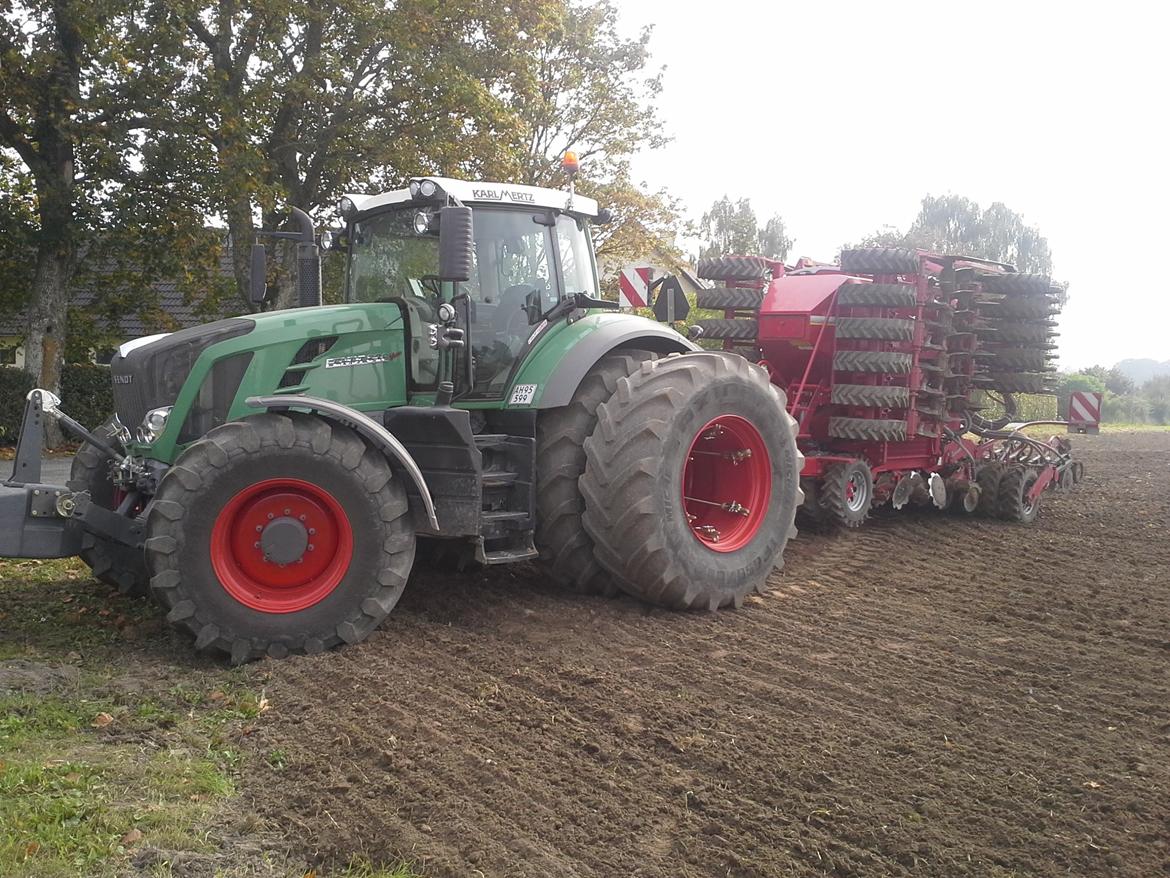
(367, 427)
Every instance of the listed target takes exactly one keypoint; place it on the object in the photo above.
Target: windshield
(517, 253)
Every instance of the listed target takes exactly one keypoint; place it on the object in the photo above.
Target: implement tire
(880, 362)
(871, 396)
(1011, 502)
(846, 493)
(733, 268)
(739, 330)
(867, 429)
(672, 436)
(879, 328)
(723, 298)
(279, 534)
(112, 563)
(1025, 284)
(877, 295)
(566, 549)
(881, 260)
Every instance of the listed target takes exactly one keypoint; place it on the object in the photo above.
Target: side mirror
(533, 307)
(258, 275)
(604, 217)
(456, 243)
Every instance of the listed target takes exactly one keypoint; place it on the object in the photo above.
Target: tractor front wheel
(692, 480)
(279, 534)
(112, 563)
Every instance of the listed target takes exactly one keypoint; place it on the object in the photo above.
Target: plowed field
(929, 695)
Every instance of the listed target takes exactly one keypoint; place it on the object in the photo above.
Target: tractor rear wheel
(112, 563)
(846, 493)
(565, 548)
(692, 481)
(278, 535)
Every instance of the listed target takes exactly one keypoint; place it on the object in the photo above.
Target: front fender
(560, 363)
(370, 429)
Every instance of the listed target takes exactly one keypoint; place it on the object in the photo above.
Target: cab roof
(485, 192)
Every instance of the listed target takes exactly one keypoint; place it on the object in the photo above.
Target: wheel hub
(284, 540)
(281, 545)
(726, 483)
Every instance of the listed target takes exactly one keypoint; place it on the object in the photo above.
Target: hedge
(86, 394)
(14, 387)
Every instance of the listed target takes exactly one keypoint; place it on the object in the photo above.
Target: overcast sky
(841, 116)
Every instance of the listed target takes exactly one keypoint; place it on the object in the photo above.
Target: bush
(14, 387)
(87, 393)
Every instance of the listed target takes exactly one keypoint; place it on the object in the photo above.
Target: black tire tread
(881, 362)
(566, 549)
(871, 395)
(736, 330)
(877, 295)
(831, 495)
(867, 429)
(878, 328)
(1017, 283)
(725, 298)
(733, 268)
(880, 260)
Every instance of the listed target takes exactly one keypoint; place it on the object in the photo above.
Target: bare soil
(929, 695)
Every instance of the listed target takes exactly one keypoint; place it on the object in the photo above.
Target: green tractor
(270, 478)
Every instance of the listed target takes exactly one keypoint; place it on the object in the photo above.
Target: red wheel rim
(727, 483)
(281, 545)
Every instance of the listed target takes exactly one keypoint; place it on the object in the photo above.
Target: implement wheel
(565, 547)
(846, 493)
(278, 535)
(112, 563)
(1012, 502)
(692, 481)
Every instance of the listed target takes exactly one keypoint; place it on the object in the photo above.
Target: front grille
(151, 376)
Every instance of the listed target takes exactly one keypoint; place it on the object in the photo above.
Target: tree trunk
(47, 322)
(241, 229)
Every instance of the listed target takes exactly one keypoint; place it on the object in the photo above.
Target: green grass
(114, 737)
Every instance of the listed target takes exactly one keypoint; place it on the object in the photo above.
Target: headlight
(428, 188)
(422, 222)
(346, 207)
(153, 424)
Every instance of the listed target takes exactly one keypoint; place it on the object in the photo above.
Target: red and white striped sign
(1084, 407)
(634, 287)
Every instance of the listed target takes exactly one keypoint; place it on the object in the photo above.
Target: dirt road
(928, 696)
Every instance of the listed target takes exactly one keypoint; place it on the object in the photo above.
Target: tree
(73, 75)
(1114, 379)
(1156, 392)
(954, 224)
(732, 228)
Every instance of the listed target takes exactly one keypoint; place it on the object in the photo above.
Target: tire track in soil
(929, 695)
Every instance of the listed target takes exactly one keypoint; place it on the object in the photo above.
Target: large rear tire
(692, 481)
(278, 535)
(566, 550)
(112, 563)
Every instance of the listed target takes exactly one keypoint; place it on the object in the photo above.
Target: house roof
(174, 309)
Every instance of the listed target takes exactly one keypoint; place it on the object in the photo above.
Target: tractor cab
(518, 253)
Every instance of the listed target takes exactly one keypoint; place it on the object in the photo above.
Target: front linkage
(39, 520)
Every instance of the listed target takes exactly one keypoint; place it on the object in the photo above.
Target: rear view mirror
(456, 243)
(533, 307)
(258, 275)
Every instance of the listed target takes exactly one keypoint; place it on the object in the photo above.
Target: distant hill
(1141, 371)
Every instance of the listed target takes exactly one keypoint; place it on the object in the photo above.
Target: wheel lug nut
(259, 528)
(302, 518)
(311, 547)
(271, 516)
(256, 545)
(312, 531)
(288, 512)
